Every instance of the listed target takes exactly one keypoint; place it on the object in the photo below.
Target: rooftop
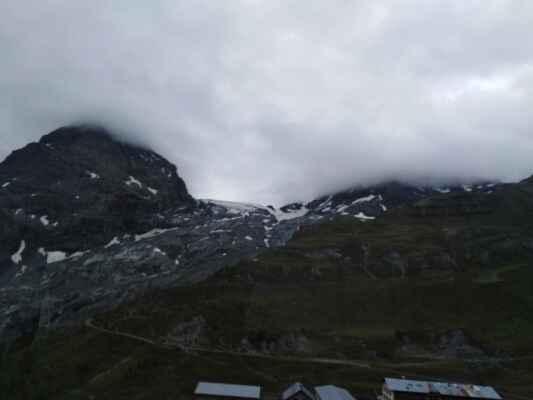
(227, 390)
(295, 388)
(331, 392)
(446, 389)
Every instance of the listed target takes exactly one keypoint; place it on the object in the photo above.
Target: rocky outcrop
(451, 344)
(78, 187)
(88, 222)
(286, 342)
(365, 203)
(188, 335)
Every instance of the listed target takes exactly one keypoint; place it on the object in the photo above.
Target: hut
(405, 389)
(212, 391)
(332, 392)
(298, 391)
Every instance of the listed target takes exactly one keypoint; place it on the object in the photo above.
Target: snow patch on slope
(132, 181)
(362, 216)
(17, 257)
(234, 207)
(152, 233)
(325, 203)
(113, 242)
(53, 256)
(57, 255)
(364, 199)
(246, 208)
(284, 216)
(93, 175)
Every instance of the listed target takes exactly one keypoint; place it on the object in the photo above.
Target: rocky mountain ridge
(88, 222)
(78, 185)
(168, 289)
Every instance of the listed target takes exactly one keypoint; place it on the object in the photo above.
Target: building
(298, 391)
(404, 389)
(211, 391)
(331, 392)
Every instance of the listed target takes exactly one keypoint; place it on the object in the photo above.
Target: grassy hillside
(441, 290)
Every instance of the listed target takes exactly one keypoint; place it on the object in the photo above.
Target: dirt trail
(108, 371)
(89, 324)
(384, 368)
(331, 361)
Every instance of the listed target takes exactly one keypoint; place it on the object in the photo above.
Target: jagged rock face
(366, 203)
(88, 222)
(78, 186)
(454, 343)
(66, 195)
(55, 289)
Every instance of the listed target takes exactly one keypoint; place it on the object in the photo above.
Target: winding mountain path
(331, 361)
(89, 324)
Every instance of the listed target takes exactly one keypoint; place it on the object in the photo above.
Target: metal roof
(331, 392)
(447, 389)
(226, 390)
(295, 388)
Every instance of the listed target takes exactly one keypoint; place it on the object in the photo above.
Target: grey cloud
(275, 101)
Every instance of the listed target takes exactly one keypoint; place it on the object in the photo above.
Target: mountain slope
(88, 222)
(437, 289)
(78, 186)
(164, 290)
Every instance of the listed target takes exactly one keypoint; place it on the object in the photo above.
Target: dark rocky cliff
(78, 187)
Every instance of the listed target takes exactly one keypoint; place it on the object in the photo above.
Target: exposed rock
(188, 335)
(102, 222)
(72, 190)
(88, 222)
(289, 342)
(454, 344)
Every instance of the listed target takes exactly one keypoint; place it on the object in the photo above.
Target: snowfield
(246, 208)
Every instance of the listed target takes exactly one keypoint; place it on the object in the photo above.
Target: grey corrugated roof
(295, 388)
(406, 385)
(227, 390)
(448, 389)
(331, 392)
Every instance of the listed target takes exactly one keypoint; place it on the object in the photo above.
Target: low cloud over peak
(275, 101)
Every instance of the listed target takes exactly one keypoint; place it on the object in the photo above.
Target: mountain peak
(82, 183)
(72, 134)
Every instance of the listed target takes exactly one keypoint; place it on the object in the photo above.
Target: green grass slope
(442, 289)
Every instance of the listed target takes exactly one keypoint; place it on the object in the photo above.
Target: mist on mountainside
(273, 104)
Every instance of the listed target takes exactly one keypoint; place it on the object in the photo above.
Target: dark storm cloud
(274, 101)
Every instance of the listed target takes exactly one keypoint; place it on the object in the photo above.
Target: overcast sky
(274, 101)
